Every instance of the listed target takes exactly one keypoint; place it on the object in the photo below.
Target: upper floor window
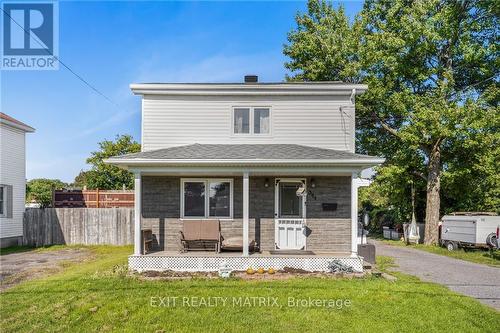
(251, 120)
(241, 121)
(261, 121)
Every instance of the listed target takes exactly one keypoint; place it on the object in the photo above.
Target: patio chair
(147, 240)
(200, 235)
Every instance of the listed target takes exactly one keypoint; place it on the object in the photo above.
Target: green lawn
(477, 256)
(23, 248)
(98, 296)
(14, 249)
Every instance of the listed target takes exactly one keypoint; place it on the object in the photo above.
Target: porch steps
(292, 252)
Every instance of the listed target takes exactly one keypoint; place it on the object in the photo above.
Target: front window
(194, 199)
(219, 203)
(206, 198)
(252, 120)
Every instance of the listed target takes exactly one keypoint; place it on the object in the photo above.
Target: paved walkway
(475, 280)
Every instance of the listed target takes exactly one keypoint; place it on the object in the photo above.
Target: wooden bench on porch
(200, 235)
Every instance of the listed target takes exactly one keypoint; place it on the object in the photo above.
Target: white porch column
(245, 213)
(137, 213)
(354, 213)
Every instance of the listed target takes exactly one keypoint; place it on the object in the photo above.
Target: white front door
(290, 214)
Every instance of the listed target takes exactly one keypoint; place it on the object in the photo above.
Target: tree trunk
(433, 199)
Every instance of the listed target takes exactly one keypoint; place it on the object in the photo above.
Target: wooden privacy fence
(93, 198)
(89, 226)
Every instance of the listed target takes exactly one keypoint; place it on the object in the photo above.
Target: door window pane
(290, 203)
(194, 199)
(241, 120)
(261, 121)
(219, 199)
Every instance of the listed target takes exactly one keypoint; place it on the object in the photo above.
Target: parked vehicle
(472, 231)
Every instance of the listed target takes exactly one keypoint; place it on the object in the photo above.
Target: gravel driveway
(21, 266)
(475, 280)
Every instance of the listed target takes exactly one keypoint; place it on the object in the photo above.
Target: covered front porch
(299, 213)
(278, 227)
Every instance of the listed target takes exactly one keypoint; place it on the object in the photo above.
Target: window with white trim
(261, 122)
(3, 197)
(206, 198)
(241, 123)
(252, 120)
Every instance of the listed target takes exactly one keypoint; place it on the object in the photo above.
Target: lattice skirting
(211, 264)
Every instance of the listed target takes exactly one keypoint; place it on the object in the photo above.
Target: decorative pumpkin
(271, 271)
(250, 271)
(261, 270)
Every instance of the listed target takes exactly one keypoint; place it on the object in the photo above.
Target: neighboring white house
(273, 163)
(12, 179)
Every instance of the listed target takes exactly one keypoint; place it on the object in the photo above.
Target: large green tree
(428, 64)
(105, 176)
(40, 190)
(80, 180)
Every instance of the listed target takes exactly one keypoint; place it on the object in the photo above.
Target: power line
(64, 65)
(477, 83)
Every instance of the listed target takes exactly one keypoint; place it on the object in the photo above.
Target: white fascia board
(247, 89)
(25, 128)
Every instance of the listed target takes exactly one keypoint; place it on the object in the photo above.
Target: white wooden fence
(89, 226)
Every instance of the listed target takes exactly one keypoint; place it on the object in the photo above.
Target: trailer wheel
(492, 241)
(451, 246)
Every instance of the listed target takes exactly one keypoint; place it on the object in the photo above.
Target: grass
(24, 248)
(97, 295)
(473, 255)
(14, 249)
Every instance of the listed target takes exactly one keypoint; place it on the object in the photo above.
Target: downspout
(353, 95)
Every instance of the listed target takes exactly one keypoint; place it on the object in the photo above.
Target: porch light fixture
(313, 183)
(266, 182)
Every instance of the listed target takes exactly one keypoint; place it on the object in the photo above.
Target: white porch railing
(241, 263)
(289, 233)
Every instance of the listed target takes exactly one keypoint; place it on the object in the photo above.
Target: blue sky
(114, 43)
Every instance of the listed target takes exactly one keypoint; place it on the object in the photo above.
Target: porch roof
(244, 154)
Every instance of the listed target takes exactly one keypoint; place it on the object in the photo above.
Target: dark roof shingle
(246, 152)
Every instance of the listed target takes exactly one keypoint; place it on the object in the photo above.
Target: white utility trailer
(469, 231)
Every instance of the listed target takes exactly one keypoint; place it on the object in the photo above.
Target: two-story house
(273, 163)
